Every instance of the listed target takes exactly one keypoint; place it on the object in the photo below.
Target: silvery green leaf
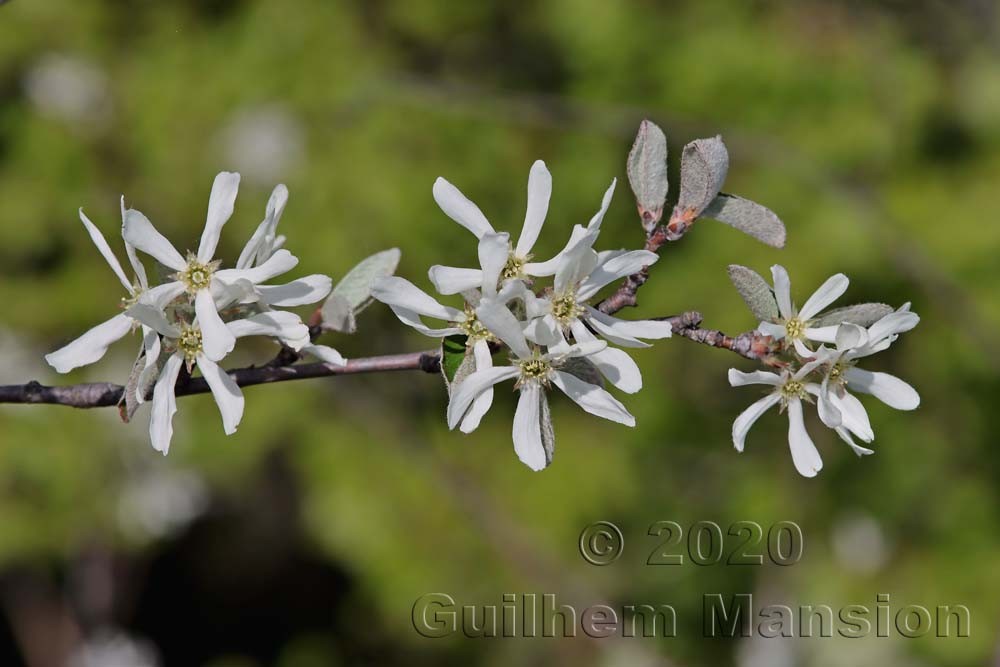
(454, 355)
(128, 404)
(548, 433)
(749, 217)
(647, 172)
(704, 165)
(354, 291)
(338, 315)
(755, 291)
(862, 314)
(584, 369)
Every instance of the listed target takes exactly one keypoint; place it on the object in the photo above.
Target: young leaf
(128, 404)
(862, 314)
(584, 369)
(354, 291)
(647, 172)
(548, 433)
(748, 217)
(453, 354)
(755, 291)
(704, 165)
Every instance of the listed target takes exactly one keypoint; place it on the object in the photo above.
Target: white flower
(580, 275)
(795, 324)
(838, 408)
(91, 346)
(198, 275)
(517, 264)
(790, 389)
(185, 343)
(410, 303)
(535, 372)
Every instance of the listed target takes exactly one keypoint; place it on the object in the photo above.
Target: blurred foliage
(870, 127)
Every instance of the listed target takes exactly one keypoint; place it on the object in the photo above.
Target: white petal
(451, 280)
(858, 449)
(277, 323)
(592, 398)
(828, 292)
(249, 252)
(216, 338)
(887, 388)
(892, 324)
(481, 404)
(457, 207)
(850, 335)
(855, 417)
(741, 379)
(627, 332)
(539, 192)
(91, 346)
(226, 392)
(575, 265)
(105, 250)
(614, 269)
(164, 406)
(220, 208)
(493, 252)
(558, 353)
(527, 431)
(804, 454)
(140, 270)
(159, 297)
(152, 317)
(544, 331)
(549, 268)
(502, 324)
(472, 386)
(280, 262)
(139, 232)
(782, 290)
(614, 364)
(595, 222)
(775, 331)
(828, 411)
(412, 319)
(396, 291)
(298, 292)
(325, 354)
(749, 417)
(822, 334)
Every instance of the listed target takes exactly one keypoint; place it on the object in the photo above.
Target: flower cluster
(824, 353)
(195, 317)
(554, 336)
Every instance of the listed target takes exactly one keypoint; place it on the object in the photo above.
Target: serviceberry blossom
(183, 342)
(795, 325)
(789, 390)
(535, 372)
(91, 346)
(198, 275)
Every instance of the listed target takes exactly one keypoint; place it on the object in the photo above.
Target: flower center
(795, 328)
(132, 299)
(836, 373)
(535, 369)
(792, 389)
(514, 268)
(473, 328)
(196, 275)
(189, 342)
(565, 308)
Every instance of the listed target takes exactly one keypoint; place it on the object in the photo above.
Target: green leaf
(128, 404)
(584, 369)
(548, 433)
(704, 165)
(755, 291)
(862, 314)
(453, 354)
(354, 291)
(749, 217)
(647, 172)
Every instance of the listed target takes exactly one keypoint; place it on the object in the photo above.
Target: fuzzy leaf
(548, 433)
(755, 291)
(862, 314)
(354, 291)
(128, 404)
(584, 369)
(453, 355)
(647, 172)
(704, 165)
(749, 217)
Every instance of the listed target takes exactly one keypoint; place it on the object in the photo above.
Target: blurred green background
(871, 128)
